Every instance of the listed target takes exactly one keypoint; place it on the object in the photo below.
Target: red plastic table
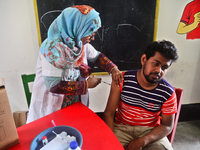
(96, 134)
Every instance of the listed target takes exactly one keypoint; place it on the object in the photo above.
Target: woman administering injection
(62, 63)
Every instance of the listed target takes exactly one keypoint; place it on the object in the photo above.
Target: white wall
(19, 47)
(19, 51)
(185, 72)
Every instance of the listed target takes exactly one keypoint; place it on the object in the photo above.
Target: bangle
(87, 78)
(112, 69)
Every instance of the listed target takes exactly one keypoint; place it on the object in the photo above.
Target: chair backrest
(27, 79)
(179, 95)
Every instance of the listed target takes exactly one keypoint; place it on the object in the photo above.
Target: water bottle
(74, 146)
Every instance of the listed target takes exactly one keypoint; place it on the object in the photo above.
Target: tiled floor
(187, 136)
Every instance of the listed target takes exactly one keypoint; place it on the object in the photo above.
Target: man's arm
(156, 134)
(112, 104)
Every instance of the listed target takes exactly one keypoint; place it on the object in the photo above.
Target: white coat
(44, 102)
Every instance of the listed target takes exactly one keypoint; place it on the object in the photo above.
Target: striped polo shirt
(140, 107)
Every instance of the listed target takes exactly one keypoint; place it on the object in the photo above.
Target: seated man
(141, 99)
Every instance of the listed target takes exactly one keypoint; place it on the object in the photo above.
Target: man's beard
(149, 79)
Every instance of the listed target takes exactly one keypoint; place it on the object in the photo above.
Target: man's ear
(143, 59)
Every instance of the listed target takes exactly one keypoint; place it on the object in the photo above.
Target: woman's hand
(117, 76)
(92, 81)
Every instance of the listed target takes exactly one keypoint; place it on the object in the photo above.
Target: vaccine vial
(44, 140)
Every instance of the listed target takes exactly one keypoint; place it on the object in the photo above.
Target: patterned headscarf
(63, 47)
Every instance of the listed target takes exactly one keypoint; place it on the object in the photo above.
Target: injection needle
(106, 82)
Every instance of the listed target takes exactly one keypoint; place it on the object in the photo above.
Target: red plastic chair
(179, 95)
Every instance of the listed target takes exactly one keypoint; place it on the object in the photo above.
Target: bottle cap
(44, 137)
(73, 145)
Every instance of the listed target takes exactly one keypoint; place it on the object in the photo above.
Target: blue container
(37, 142)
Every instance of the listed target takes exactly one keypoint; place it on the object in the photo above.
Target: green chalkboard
(127, 27)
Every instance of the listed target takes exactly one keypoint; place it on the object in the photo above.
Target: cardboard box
(8, 132)
(20, 118)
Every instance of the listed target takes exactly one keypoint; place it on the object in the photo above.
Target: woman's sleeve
(56, 85)
(105, 63)
(98, 58)
(91, 53)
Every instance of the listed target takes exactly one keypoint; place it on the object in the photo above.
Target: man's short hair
(166, 48)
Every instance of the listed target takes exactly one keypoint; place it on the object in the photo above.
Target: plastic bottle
(74, 146)
(44, 140)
